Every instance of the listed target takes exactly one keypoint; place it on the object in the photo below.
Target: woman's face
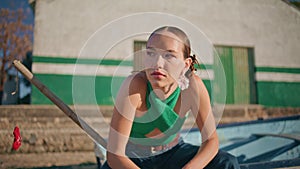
(164, 59)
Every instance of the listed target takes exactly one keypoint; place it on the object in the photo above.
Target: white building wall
(271, 26)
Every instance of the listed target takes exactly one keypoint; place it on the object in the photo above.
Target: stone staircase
(48, 129)
(47, 132)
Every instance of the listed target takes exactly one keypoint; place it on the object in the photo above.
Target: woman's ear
(187, 64)
(188, 61)
(183, 81)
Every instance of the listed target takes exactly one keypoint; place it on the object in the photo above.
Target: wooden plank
(241, 75)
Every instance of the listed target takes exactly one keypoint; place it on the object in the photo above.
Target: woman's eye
(150, 53)
(169, 55)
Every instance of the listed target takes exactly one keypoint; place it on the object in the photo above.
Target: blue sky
(16, 4)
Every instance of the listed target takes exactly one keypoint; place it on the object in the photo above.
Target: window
(138, 59)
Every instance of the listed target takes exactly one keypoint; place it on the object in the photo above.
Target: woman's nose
(159, 62)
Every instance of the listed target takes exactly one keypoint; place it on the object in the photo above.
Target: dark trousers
(180, 155)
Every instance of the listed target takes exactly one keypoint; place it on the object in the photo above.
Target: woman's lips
(158, 74)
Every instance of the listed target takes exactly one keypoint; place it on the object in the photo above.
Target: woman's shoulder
(136, 82)
(195, 79)
(197, 85)
(138, 78)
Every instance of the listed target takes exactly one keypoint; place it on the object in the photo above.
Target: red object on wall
(17, 138)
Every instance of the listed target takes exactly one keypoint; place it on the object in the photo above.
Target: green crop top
(160, 115)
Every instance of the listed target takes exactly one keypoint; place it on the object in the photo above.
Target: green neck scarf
(161, 116)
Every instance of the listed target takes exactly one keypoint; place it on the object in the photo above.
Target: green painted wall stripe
(273, 94)
(278, 94)
(63, 85)
(203, 66)
(41, 59)
(277, 70)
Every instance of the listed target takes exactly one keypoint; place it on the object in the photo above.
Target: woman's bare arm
(118, 137)
(205, 121)
(127, 102)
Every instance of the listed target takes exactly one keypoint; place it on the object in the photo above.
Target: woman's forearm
(206, 153)
(120, 162)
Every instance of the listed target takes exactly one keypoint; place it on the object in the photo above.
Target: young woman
(152, 105)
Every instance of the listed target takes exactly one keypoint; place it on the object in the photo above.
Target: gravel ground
(66, 160)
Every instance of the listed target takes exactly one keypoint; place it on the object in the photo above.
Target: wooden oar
(59, 103)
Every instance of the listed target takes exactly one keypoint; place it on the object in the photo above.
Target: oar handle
(59, 103)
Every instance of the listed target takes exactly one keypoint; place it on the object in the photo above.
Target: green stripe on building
(268, 93)
(61, 85)
(111, 62)
(278, 70)
(39, 59)
(278, 94)
(203, 66)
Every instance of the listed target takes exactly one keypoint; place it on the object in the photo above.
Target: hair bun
(193, 57)
(194, 61)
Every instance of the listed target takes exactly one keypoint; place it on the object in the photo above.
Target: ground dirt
(74, 160)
